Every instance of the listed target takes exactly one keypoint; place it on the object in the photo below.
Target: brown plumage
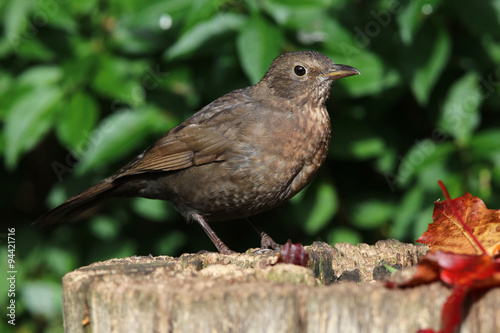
(244, 153)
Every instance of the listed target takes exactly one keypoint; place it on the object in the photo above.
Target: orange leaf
(462, 229)
(447, 233)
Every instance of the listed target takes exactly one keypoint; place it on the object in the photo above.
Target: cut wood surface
(210, 292)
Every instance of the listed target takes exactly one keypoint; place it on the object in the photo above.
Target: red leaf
(465, 273)
(466, 270)
(464, 228)
(293, 254)
(451, 315)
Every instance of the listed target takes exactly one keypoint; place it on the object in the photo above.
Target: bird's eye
(299, 70)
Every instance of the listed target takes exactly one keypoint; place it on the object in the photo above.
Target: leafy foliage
(464, 245)
(87, 85)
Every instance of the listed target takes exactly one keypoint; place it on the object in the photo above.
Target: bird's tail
(77, 204)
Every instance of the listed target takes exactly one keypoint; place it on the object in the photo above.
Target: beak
(340, 71)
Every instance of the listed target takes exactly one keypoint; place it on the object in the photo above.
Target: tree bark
(209, 292)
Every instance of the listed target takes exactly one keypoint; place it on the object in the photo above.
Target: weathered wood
(244, 293)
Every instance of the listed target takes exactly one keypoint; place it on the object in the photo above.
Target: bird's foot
(267, 243)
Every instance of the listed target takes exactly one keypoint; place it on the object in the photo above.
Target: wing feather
(201, 139)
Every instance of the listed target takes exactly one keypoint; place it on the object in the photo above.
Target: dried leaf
(447, 234)
(464, 273)
(293, 254)
(462, 228)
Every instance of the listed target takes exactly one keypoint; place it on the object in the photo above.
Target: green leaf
(18, 29)
(120, 78)
(76, 120)
(386, 161)
(56, 196)
(344, 235)
(343, 47)
(426, 76)
(390, 269)
(368, 147)
(373, 74)
(304, 18)
(155, 210)
(372, 214)
(29, 118)
(340, 35)
(42, 298)
(424, 156)
(6, 82)
(493, 49)
(201, 10)
(300, 3)
(423, 62)
(105, 227)
(353, 140)
(170, 244)
(258, 44)
(411, 204)
(149, 17)
(40, 76)
(204, 31)
(82, 7)
(33, 49)
(484, 145)
(412, 17)
(59, 260)
(142, 30)
(324, 208)
(460, 113)
(118, 134)
(78, 71)
(56, 15)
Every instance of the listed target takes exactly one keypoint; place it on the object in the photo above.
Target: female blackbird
(244, 153)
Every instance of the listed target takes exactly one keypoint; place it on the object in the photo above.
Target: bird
(244, 153)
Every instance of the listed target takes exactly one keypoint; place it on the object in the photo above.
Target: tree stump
(210, 292)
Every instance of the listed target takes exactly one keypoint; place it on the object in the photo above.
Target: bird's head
(303, 76)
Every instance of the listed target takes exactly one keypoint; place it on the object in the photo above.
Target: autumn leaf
(463, 272)
(293, 254)
(474, 272)
(447, 233)
(464, 240)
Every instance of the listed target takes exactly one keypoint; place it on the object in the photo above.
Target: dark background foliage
(87, 85)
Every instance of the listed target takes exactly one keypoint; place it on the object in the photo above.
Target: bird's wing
(193, 145)
(170, 156)
(201, 139)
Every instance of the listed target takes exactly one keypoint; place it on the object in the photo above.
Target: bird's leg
(266, 242)
(210, 233)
